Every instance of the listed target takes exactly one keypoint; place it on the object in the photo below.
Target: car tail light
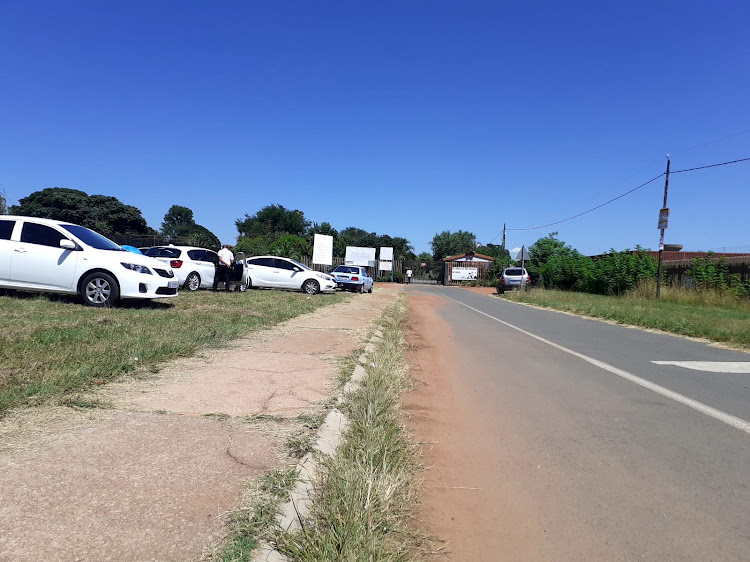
(355, 278)
(175, 264)
(502, 279)
(528, 279)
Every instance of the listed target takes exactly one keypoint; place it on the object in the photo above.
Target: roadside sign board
(522, 255)
(323, 249)
(386, 254)
(385, 265)
(464, 273)
(663, 219)
(356, 255)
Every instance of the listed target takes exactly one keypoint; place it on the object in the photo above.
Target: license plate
(173, 284)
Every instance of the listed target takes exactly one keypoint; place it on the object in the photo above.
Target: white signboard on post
(385, 265)
(323, 249)
(464, 273)
(386, 254)
(360, 256)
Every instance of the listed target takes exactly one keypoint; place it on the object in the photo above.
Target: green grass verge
(249, 526)
(364, 495)
(720, 322)
(51, 347)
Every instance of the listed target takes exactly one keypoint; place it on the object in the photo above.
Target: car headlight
(136, 267)
(324, 277)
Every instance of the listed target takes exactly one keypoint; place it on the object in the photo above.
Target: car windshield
(303, 266)
(514, 272)
(346, 269)
(91, 238)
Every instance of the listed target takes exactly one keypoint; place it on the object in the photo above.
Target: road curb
(329, 436)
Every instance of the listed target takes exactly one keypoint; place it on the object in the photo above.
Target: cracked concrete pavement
(155, 477)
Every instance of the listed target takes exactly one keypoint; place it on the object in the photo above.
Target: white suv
(59, 257)
(195, 267)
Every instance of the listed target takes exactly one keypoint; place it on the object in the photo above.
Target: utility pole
(502, 252)
(663, 223)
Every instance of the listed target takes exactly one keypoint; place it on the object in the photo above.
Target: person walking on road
(224, 269)
(408, 276)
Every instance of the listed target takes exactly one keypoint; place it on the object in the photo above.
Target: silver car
(513, 278)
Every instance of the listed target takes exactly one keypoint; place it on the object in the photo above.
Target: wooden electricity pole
(663, 218)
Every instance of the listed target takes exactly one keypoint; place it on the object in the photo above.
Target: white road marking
(711, 366)
(728, 419)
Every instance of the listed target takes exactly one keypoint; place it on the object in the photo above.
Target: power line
(624, 194)
(710, 166)
(593, 208)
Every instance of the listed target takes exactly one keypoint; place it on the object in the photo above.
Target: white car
(195, 267)
(353, 278)
(60, 257)
(284, 273)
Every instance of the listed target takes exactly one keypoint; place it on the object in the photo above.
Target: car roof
(180, 247)
(37, 219)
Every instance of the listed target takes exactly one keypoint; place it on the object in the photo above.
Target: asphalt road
(575, 439)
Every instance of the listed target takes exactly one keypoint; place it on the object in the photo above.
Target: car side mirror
(67, 244)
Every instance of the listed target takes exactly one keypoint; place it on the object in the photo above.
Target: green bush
(611, 274)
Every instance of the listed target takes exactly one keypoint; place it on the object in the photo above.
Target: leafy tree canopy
(3, 202)
(273, 219)
(449, 243)
(179, 222)
(544, 249)
(496, 251)
(425, 256)
(104, 214)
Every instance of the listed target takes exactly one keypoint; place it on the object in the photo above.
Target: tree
(424, 256)
(544, 249)
(449, 243)
(3, 201)
(273, 220)
(290, 246)
(177, 220)
(179, 223)
(104, 214)
(496, 251)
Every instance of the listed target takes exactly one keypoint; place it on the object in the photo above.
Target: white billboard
(386, 254)
(385, 265)
(360, 256)
(464, 273)
(323, 249)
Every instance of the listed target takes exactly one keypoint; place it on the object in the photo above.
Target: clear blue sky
(400, 117)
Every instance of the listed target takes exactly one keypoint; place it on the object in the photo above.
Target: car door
(287, 275)
(6, 248)
(366, 279)
(208, 268)
(38, 261)
(261, 271)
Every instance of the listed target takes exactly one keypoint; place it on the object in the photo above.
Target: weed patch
(364, 495)
(678, 312)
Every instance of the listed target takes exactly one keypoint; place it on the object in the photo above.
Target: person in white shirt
(408, 275)
(224, 269)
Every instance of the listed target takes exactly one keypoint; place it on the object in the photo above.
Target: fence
(676, 269)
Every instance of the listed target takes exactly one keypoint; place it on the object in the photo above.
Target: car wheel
(361, 289)
(311, 287)
(193, 282)
(370, 290)
(99, 289)
(249, 284)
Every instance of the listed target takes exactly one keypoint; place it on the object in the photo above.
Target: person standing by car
(224, 269)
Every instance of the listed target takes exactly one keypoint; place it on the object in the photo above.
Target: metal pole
(523, 266)
(661, 238)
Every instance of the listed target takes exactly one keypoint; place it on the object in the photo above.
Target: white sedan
(274, 272)
(59, 257)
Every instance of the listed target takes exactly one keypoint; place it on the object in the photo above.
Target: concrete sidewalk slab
(153, 479)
